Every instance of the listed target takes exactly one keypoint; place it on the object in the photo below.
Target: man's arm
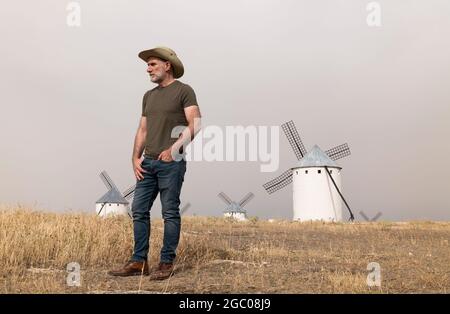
(139, 144)
(193, 118)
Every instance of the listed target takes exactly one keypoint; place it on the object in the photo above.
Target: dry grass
(216, 255)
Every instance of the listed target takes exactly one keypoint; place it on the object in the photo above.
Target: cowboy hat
(166, 54)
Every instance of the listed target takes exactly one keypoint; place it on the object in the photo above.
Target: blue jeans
(167, 179)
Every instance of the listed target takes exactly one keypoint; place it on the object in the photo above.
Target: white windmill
(113, 202)
(236, 210)
(316, 180)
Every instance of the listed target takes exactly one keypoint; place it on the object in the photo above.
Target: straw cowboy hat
(166, 54)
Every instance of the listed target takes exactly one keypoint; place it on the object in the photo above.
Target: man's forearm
(187, 136)
(139, 144)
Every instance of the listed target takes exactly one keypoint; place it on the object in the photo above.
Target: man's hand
(166, 155)
(138, 170)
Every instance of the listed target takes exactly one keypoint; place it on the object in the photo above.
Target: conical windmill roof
(113, 196)
(316, 158)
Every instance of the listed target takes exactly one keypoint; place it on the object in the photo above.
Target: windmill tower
(113, 202)
(316, 180)
(236, 210)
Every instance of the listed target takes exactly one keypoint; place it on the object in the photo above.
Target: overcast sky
(71, 97)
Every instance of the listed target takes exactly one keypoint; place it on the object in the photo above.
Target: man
(169, 105)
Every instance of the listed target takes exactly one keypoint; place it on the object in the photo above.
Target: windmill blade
(129, 193)
(185, 208)
(129, 212)
(107, 180)
(224, 197)
(279, 182)
(294, 139)
(364, 216)
(338, 152)
(246, 199)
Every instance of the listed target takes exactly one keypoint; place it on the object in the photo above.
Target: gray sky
(71, 97)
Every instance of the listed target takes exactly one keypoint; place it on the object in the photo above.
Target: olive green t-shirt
(164, 109)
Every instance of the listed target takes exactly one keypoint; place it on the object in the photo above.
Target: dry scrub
(219, 255)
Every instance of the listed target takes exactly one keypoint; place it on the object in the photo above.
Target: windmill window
(331, 171)
(319, 171)
(296, 172)
(306, 171)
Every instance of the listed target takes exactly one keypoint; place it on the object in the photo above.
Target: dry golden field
(216, 255)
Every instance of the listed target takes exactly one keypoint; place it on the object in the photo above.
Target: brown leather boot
(164, 271)
(131, 268)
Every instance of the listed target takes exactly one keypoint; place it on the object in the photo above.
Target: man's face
(157, 69)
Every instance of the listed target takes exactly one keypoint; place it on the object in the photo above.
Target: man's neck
(167, 82)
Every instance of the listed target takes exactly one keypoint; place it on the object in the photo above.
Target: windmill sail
(129, 193)
(246, 199)
(294, 139)
(338, 152)
(225, 198)
(107, 180)
(279, 182)
(185, 208)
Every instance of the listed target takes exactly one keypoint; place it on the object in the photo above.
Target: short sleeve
(188, 97)
(144, 102)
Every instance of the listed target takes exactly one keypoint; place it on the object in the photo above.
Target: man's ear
(168, 66)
